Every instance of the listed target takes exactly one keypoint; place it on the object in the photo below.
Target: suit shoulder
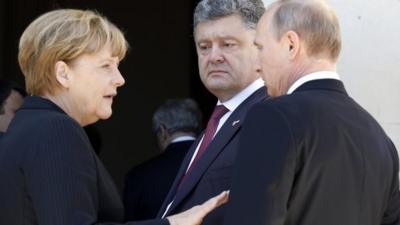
(147, 167)
(257, 96)
(51, 117)
(42, 118)
(279, 104)
(163, 162)
(49, 128)
(52, 123)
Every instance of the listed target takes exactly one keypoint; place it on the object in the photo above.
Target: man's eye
(106, 66)
(204, 47)
(229, 45)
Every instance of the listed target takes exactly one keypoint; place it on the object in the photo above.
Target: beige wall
(370, 61)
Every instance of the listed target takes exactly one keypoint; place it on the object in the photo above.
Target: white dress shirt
(183, 138)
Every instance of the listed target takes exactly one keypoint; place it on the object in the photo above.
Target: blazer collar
(322, 84)
(35, 102)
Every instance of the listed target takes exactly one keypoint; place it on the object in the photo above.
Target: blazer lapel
(223, 137)
(212, 151)
(181, 172)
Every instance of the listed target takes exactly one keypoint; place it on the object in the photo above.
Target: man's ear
(63, 75)
(164, 131)
(293, 44)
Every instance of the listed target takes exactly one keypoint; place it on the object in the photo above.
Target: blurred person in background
(176, 124)
(11, 97)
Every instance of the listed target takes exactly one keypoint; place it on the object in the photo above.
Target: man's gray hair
(178, 115)
(249, 10)
(313, 20)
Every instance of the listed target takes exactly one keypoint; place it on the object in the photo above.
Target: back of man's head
(249, 10)
(313, 20)
(177, 116)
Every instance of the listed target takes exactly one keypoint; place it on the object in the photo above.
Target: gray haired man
(176, 124)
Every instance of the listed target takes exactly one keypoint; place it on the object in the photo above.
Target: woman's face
(94, 82)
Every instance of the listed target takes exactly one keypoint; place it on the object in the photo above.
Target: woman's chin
(105, 115)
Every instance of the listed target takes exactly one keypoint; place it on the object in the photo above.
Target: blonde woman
(49, 173)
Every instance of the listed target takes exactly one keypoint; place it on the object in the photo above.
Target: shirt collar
(313, 76)
(236, 100)
(183, 138)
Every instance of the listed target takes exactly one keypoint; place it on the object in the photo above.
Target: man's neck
(306, 67)
(176, 135)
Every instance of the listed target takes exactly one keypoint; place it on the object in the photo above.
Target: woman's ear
(62, 74)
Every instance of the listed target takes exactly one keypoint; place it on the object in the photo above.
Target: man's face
(227, 56)
(11, 104)
(273, 57)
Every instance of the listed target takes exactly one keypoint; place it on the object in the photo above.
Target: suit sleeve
(132, 194)
(264, 169)
(392, 212)
(61, 177)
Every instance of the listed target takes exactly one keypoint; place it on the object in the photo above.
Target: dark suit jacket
(314, 157)
(147, 184)
(212, 173)
(50, 175)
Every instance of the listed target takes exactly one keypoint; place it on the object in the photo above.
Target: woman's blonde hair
(63, 35)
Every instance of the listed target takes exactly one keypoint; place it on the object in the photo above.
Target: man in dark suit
(310, 155)
(224, 31)
(176, 124)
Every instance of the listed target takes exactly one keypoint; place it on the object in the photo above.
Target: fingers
(215, 202)
(222, 198)
(195, 215)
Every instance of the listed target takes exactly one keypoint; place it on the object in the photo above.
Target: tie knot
(219, 111)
